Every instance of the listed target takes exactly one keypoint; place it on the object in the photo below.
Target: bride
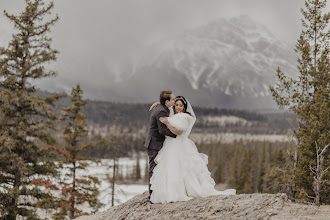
(181, 172)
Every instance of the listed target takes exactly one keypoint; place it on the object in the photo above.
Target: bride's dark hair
(185, 104)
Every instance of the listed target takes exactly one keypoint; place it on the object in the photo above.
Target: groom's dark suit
(156, 136)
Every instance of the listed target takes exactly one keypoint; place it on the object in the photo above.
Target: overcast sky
(116, 22)
(114, 29)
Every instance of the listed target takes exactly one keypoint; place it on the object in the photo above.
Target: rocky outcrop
(242, 206)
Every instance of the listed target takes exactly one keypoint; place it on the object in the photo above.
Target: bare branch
(324, 149)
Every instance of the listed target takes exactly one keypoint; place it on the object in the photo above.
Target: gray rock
(242, 206)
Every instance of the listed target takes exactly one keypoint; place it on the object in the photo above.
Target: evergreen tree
(112, 176)
(26, 120)
(77, 190)
(114, 154)
(260, 169)
(282, 173)
(249, 164)
(244, 176)
(308, 97)
(137, 169)
(146, 171)
(234, 168)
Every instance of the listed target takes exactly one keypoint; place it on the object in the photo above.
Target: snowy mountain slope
(230, 63)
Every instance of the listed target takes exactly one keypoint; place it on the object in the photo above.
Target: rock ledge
(242, 206)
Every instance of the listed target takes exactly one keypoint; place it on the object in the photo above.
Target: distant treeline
(122, 145)
(136, 116)
(246, 166)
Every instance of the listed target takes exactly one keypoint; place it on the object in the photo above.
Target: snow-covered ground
(231, 137)
(127, 167)
(224, 120)
(123, 192)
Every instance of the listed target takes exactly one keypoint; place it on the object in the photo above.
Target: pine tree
(113, 175)
(308, 97)
(137, 169)
(234, 169)
(245, 177)
(282, 173)
(260, 169)
(26, 120)
(113, 152)
(77, 190)
(319, 171)
(146, 172)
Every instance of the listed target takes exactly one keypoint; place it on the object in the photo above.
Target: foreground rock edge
(242, 206)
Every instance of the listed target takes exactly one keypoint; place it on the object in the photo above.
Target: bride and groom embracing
(177, 171)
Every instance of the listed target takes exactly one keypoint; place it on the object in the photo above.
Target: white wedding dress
(181, 172)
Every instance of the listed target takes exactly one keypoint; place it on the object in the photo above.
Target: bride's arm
(169, 126)
(154, 105)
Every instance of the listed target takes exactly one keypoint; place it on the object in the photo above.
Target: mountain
(227, 63)
(242, 206)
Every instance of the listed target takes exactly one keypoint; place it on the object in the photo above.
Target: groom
(157, 130)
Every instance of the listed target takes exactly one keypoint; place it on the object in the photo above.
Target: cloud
(95, 35)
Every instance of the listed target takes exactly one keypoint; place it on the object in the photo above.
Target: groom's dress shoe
(149, 200)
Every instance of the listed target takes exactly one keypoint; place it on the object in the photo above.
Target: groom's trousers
(152, 155)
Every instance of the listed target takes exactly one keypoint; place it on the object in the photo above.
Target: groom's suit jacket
(158, 130)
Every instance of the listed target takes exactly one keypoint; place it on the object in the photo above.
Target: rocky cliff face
(243, 206)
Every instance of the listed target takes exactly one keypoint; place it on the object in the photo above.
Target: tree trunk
(293, 186)
(318, 172)
(73, 189)
(113, 182)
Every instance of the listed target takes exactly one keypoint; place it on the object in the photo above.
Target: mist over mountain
(227, 63)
